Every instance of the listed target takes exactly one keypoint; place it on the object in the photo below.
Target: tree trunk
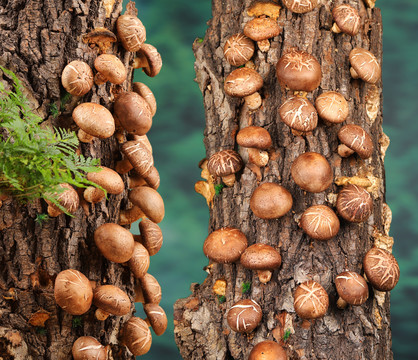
(358, 332)
(38, 38)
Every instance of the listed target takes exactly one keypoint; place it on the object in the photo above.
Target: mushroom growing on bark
(88, 348)
(347, 19)
(150, 289)
(156, 317)
(68, 199)
(131, 31)
(109, 68)
(381, 269)
(151, 236)
(299, 114)
(351, 288)
(310, 300)
(108, 179)
(238, 49)
(267, 350)
(263, 258)
(101, 37)
(255, 140)
(300, 6)
(77, 78)
(110, 300)
(364, 65)
(144, 91)
(332, 107)
(355, 139)
(149, 201)
(136, 335)
(261, 29)
(244, 316)
(149, 59)
(320, 222)
(354, 203)
(225, 164)
(270, 201)
(140, 261)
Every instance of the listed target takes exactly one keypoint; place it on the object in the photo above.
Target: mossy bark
(362, 332)
(38, 38)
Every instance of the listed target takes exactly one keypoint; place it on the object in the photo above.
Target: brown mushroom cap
(332, 107)
(310, 300)
(110, 69)
(73, 292)
(312, 172)
(352, 288)
(347, 19)
(151, 289)
(137, 336)
(157, 318)
(270, 201)
(299, 114)
(77, 78)
(261, 257)
(254, 137)
(262, 28)
(88, 348)
(357, 139)
(108, 179)
(267, 350)
(365, 65)
(94, 119)
(243, 82)
(238, 49)
(144, 91)
(114, 242)
(151, 235)
(224, 163)
(112, 300)
(149, 59)
(149, 201)
(244, 316)
(133, 113)
(101, 37)
(68, 199)
(298, 70)
(320, 222)
(381, 269)
(225, 245)
(354, 203)
(131, 32)
(300, 6)
(139, 156)
(139, 262)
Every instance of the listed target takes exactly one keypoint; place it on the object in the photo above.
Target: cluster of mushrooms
(300, 73)
(132, 115)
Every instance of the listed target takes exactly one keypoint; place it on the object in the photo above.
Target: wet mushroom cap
(157, 318)
(137, 336)
(94, 119)
(354, 203)
(320, 222)
(243, 82)
(254, 137)
(299, 114)
(261, 257)
(332, 107)
(144, 91)
(152, 236)
(88, 348)
(225, 245)
(152, 57)
(73, 292)
(352, 288)
(140, 261)
(310, 300)
(300, 6)
(347, 19)
(224, 163)
(270, 201)
(114, 242)
(112, 300)
(298, 70)
(312, 172)
(365, 65)
(110, 67)
(357, 139)
(149, 201)
(261, 28)
(267, 350)
(77, 78)
(244, 316)
(108, 179)
(381, 269)
(238, 49)
(131, 32)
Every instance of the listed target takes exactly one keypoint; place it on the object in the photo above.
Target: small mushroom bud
(310, 300)
(225, 164)
(263, 258)
(131, 32)
(109, 68)
(123, 166)
(244, 316)
(93, 195)
(73, 292)
(129, 216)
(77, 78)
(136, 336)
(114, 242)
(156, 317)
(332, 107)
(267, 350)
(354, 203)
(151, 236)
(347, 20)
(299, 114)
(149, 60)
(381, 269)
(364, 65)
(261, 29)
(68, 199)
(238, 49)
(298, 70)
(352, 289)
(270, 201)
(256, 139)
(108, 179)
(88, 348)
(112, 300)
(150, 288)
(320, 222)
(300, 6)
(139, 262)
(355, 139)
(144, 91)
(149, 201)
(225, 245)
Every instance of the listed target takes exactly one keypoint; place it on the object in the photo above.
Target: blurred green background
(177, 139)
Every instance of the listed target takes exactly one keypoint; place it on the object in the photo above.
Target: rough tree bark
(361, 332)
(38, 38)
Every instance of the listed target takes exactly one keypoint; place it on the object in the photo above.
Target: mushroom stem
(129, 216)
(353, 73)
(101, 315)
(138, 238)
(136, 180)
(139, 294)
(341, 304)
(263, 45)
(84, 137)
(139, 62)
(99, 79)
(229, 180)
(123, 166)
(264, 276)
(93, 195)
(335, 28)
(253, 101)
(344, 151)
(53, 212)
(258, 157)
